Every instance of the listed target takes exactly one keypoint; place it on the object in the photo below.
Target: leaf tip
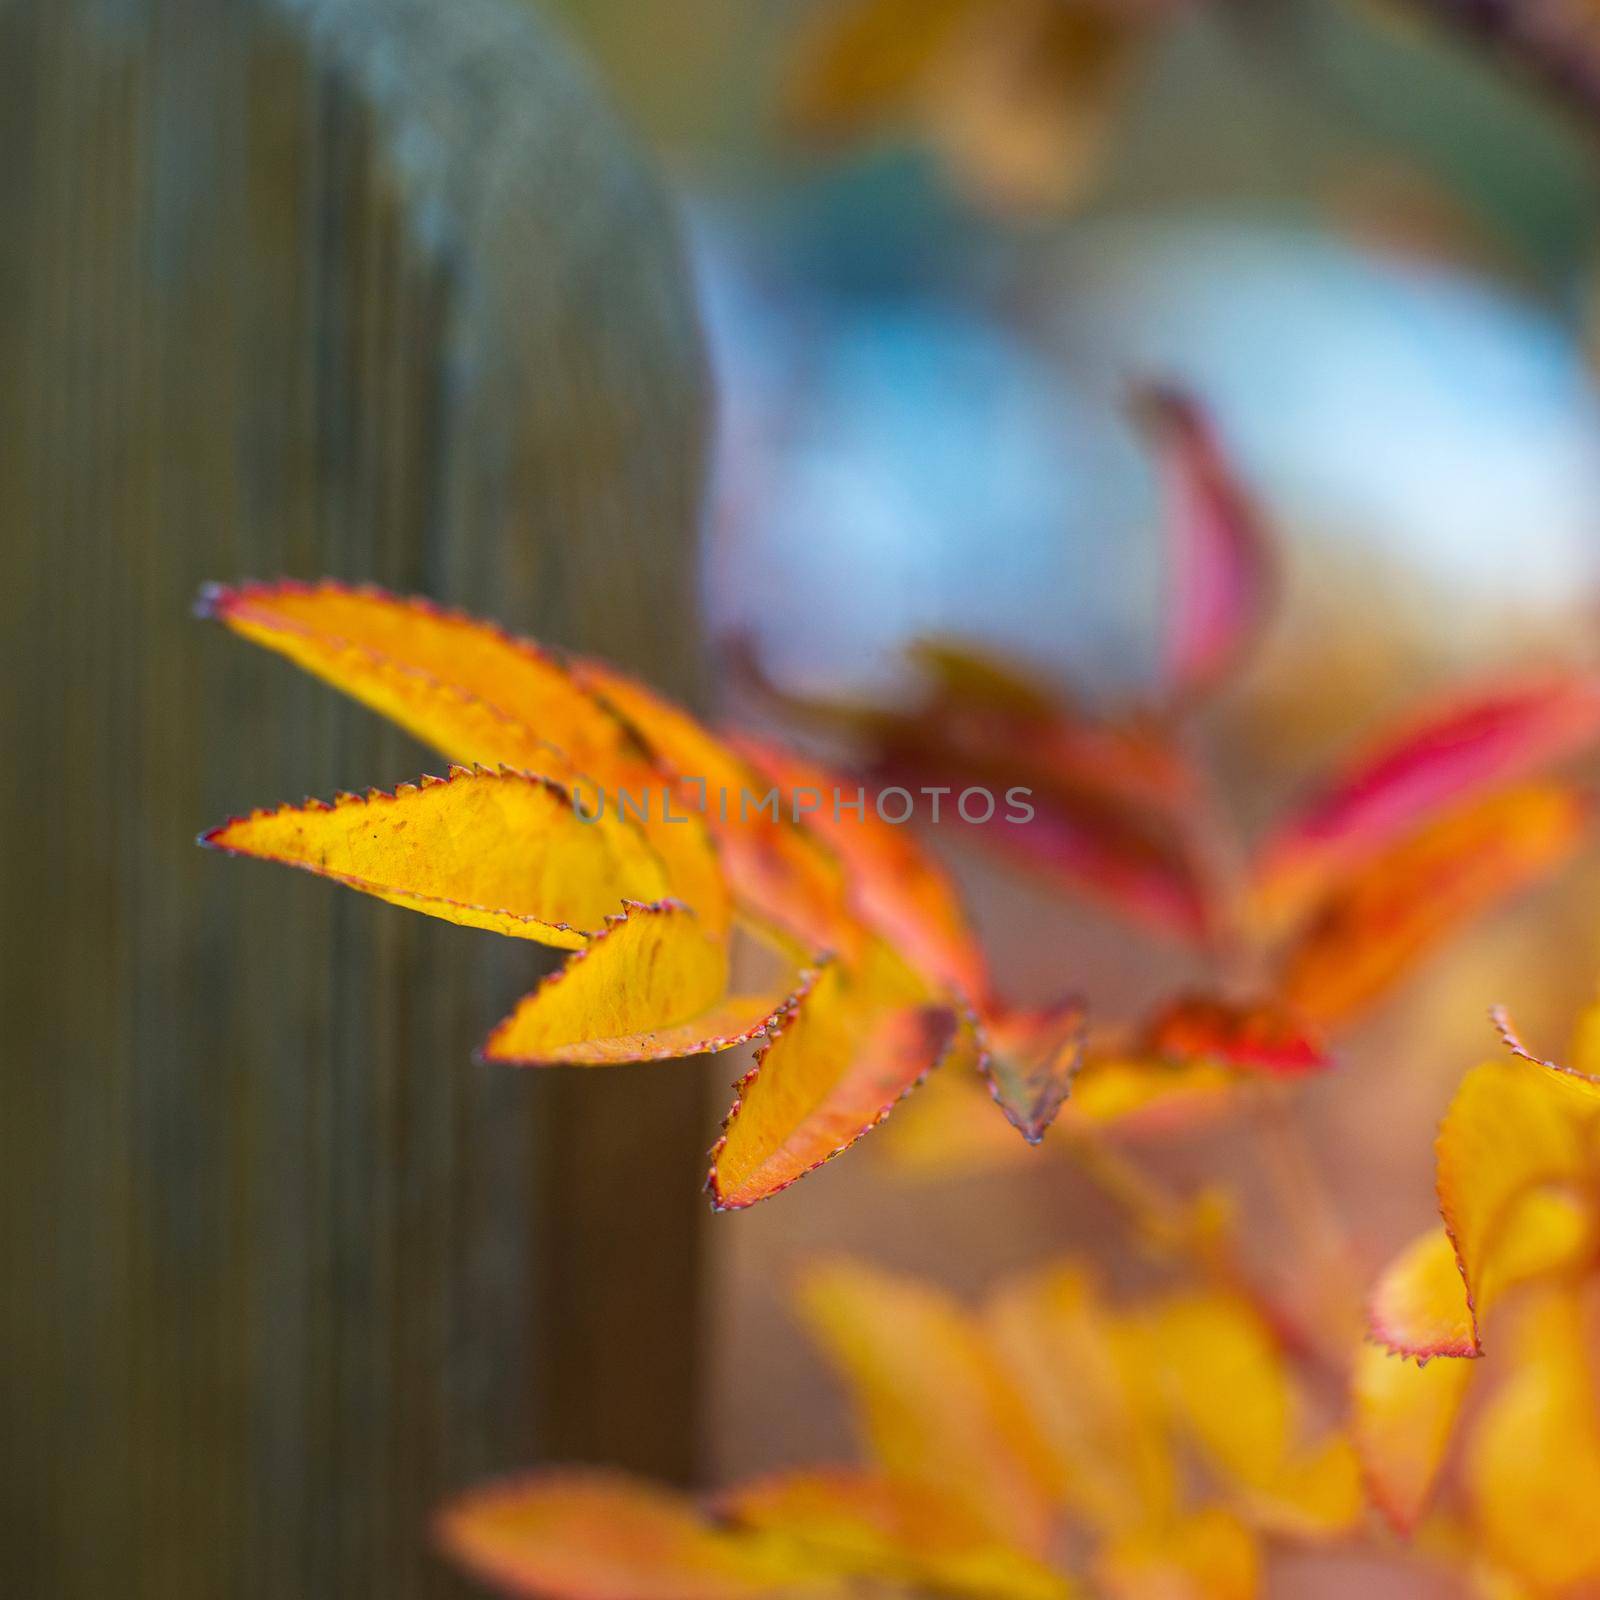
(212, 601)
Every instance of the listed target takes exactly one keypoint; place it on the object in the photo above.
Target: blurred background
(680, 330)
(931, 274)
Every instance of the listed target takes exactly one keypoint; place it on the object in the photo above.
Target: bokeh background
(1368, 244)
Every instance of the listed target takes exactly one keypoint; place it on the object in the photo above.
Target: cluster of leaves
(694, 929)
(1519, 1200)
(1424, 825)
(1155, 1448)
(1054, 1439)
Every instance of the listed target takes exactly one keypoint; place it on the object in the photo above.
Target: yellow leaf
(1207, 1556)
(1583, 1053)
(477, 694)
(934, 1402)
(1404, 1417)
(1146, 1094)
(1314, 1495)
(1533, 1460)
(650, 987)
(497, 850)
(1091, 1392)
(1513, 1134)
(1225, 1381)
(599, 1536)
(834, 1069)
(896, 1532)
(420, 664)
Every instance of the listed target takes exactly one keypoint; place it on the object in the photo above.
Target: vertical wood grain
(371, 288)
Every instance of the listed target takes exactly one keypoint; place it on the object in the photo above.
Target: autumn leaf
(1532, 1463)
(500, 850)
(601, 1536)
(1030, 1057)
(1380, 921)
(892, 1530)
(1232, 1393)
(934, 1404)
(1419, 1306)
(1207, 1556)
(1137, 1094)
(830, 1071)
(1087, 1381)
(651, 986)
(893, 885)
(783, 872)
(644, 901)
(478, 695)
(464, 686)
(1220, 564)
(1515, 1153)
(1404, 1418)
(1439, 757)
(1261, 1036)
(949, 1129)
(1516, 1163)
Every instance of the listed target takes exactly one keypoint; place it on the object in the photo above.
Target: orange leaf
(932, 1398)
(1404, 1417)
(1381, 920)
(896, 1532)
(895, 886)
(477, 694)
(1030, 1059)
(497, 850)
(1259, 1037)
(600, 1536)
(1444, 756)
(652, 986)
(830, 1071)
(1419, 1307)
(1220, 557)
